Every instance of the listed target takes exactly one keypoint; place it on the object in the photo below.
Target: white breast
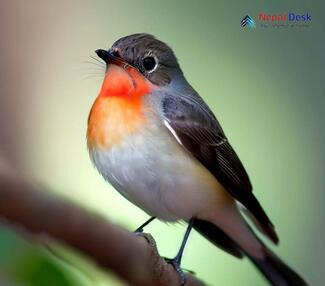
(153, 171)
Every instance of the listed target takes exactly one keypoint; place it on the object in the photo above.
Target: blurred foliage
(30, 265)
(24, 263)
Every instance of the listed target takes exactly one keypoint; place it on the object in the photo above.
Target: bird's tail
(271, 266)
(276, 271)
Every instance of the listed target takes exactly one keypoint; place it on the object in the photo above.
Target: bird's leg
(140, 228)
(176, 261)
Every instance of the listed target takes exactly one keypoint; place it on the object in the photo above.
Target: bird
(157, 142)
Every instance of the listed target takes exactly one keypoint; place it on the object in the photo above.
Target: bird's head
(136, 65)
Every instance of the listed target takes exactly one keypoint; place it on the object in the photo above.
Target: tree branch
(132, 257)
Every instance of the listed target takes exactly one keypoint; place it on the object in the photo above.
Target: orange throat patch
(118, 110)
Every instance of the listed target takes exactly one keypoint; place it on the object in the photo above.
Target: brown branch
(113, 248)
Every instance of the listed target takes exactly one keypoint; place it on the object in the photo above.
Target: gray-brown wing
(197, 129)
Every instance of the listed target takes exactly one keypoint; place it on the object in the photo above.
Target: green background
(266, 86)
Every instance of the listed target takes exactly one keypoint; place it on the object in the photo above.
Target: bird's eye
(149, 64)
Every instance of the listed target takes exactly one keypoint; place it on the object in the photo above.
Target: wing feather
(196, 128)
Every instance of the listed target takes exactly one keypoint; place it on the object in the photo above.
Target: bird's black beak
(112, 57)
(104, 55)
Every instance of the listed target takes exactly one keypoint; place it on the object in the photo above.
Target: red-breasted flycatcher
(156, 141)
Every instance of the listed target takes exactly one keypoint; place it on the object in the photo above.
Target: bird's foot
(176, 265)
(138, 231)
(146, 236)
(140, 228)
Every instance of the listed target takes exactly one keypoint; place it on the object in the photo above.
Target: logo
(284, 17)
(248, 21)
(278, 20)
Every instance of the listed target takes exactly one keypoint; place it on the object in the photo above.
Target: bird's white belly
(155, 173)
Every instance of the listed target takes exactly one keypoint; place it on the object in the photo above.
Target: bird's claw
(176, 265)
(140, 228)
(146, 236)
(138, 231)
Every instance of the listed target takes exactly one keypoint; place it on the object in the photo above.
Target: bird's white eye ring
(150, 63)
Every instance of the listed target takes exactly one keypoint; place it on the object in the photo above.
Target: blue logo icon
(248, 21)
